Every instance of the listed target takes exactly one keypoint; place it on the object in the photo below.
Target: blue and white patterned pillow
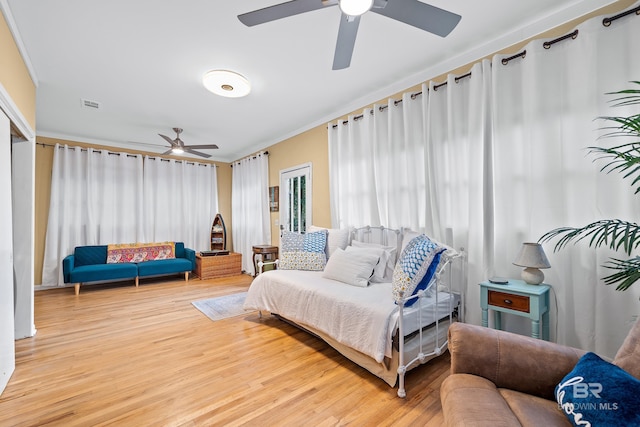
(303, 251)
(292, 241)
(415, 268)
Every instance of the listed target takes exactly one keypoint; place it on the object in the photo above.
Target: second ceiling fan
(412, 12)
(178, 147)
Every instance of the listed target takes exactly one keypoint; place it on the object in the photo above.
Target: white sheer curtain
(505, 160)
(95, 199)
(545, 105)
(377, 164)
(180, 201)
(250, 207)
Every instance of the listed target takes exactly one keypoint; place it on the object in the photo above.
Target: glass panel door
(295, 198)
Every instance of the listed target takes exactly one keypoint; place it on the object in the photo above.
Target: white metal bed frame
(443, 281)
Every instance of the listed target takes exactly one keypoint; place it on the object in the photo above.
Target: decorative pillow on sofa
(303, 251)
(384, 269)
(599, 393)
(336, 238)
(139, 252)
(351, 267)
(415, 268)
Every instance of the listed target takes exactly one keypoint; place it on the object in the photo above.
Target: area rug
(222, 307)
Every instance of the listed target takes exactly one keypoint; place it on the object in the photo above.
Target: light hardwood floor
(120, 355)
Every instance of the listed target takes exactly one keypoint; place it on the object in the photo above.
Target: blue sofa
(89, 264)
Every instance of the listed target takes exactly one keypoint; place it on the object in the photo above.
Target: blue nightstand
(519, 298)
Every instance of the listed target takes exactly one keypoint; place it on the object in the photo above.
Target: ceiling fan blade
(197, 153)
(346, 41)
(282, 10)
(169, 140)
(420, 15)
(203, 147)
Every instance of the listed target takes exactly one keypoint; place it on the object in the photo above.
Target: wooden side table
(268, 253)
(519, 298)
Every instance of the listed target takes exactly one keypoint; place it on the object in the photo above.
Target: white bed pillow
(336, 238)
(384, 270)
(351, 267)
(380, 267)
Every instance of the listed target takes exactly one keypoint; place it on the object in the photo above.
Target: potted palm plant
(616, 234)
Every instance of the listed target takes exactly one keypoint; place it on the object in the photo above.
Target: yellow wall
(14, 75)
(312, 147)
(44, 164)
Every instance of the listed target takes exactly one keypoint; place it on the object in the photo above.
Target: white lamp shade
(532, 255)
(533, 258)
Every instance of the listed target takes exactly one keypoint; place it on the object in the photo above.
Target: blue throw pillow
(415, 268)
(303, 251)
(599, 393)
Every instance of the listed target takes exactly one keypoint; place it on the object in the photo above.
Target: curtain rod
(266, 153)
(399, 101)
(607, 21)
(548, 44)
(186, 162)
(73, 147)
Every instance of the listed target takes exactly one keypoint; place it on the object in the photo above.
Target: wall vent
(86, 103)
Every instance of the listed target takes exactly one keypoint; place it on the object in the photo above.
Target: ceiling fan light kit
(226, 83)
(355, 7)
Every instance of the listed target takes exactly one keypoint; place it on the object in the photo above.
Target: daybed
(361, 319)
(128, 261)
(504, 379)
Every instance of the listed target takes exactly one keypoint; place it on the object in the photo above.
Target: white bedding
(362, 318)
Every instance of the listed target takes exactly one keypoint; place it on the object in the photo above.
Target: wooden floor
(120, 355)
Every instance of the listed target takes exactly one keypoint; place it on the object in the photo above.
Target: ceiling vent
(86, 103)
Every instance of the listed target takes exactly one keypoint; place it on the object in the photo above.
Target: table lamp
(533, 258)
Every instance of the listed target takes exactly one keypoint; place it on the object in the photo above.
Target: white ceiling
(143, 60)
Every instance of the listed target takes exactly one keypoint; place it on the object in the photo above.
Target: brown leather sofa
(504, 379)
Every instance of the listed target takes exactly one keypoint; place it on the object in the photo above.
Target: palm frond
(632, 99)
(624, 159)
(628, 272)
(613, 233)
(627, 126)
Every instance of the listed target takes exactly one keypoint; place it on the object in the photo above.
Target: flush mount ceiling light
(355, 7)
(226, 83)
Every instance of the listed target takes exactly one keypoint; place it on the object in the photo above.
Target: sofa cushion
(164, 266)
(180, 253)
(96, 272)
(533, 411)
(90, 255)
(469, 400)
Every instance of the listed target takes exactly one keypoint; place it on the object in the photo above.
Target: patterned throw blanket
(139, 252)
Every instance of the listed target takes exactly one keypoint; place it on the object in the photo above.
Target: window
(295, 198)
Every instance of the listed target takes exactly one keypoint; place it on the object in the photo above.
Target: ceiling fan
(412, 12)
(178, 147)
